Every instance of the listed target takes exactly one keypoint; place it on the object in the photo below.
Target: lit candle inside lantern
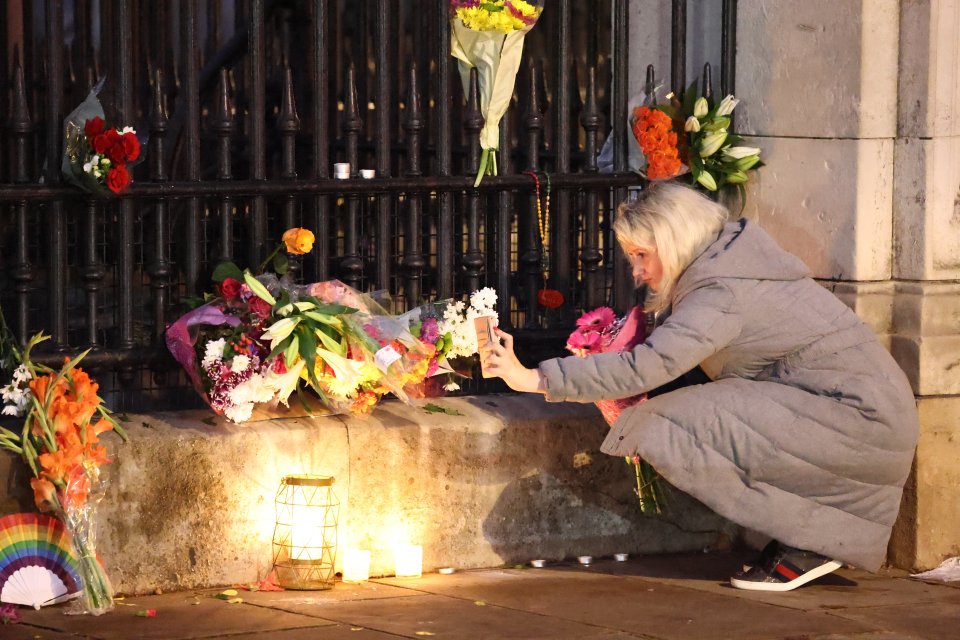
(408, 560)
(356, 565)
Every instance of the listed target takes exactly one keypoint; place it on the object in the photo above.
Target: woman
(807, 429)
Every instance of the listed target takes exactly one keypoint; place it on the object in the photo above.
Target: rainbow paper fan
(37, 566)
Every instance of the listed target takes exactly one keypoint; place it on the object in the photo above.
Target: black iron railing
(247, 105)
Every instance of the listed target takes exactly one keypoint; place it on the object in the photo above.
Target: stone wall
(856, 106)
(190, 500)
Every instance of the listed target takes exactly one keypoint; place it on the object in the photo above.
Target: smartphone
(486, 338)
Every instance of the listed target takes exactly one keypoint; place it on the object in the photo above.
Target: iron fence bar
(160, 270)
(528, 226)
(502, 231)
(728, 49)
(191, 145)
(57, 217)
(472, 123)
(413, 260)
(423, 184)
(622, 286)
(20, 128)
(92, 272)
(125, 261)
(678, 46)
(445, 260)
(383, 117)
(590, 256)
(222, 124)
(351, 265)
(288, 125)
(257, 130)
(563, 243)
(320, 114)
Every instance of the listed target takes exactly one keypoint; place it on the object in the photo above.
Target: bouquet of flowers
(60, 442)
(97, 158)
(488, 35)
(448, 327)
(263, 338)
(600, 331)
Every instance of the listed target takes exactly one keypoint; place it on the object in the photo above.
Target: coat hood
(742, 250)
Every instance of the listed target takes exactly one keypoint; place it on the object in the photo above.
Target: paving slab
(447, 617)
(179, 615)
(632, 605)
(333, 632)
(844, 589)
(934, 621)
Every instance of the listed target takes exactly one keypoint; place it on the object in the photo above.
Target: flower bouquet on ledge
(98, 158)
(60, 441)
(600, 331)
(264, 338)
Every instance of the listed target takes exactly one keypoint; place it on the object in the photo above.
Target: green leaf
(281, 264)
(258, 289)
(331, 343)
(435, 408)
(328, 308)
(226, 270)
(291, 351)
(689, 98)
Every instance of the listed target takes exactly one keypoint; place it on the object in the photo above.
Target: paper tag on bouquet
(386, 357)
(486, 338)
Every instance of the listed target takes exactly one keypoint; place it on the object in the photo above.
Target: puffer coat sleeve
(702, 322)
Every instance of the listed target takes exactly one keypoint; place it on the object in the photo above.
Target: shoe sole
(813, 574)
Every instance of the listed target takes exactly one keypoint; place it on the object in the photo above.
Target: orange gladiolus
(299, 241)
(44, 494)
(58, 464)
(74, 404)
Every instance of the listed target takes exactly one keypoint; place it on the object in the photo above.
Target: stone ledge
(190, 504)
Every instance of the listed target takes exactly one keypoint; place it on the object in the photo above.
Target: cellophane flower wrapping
(601, 331)
(97, 157)
(79, 519)
(488, 36)
(244, 353)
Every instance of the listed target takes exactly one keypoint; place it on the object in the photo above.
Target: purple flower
(430, 331)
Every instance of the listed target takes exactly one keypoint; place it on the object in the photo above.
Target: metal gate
(248, 104)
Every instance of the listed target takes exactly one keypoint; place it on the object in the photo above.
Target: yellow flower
(299, 241)
(504, 21)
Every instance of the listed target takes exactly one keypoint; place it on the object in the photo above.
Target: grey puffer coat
(808, 429)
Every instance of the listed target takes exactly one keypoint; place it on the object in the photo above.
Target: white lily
(692, 124)
(280, 329)
(283, 384)
(747, 163)
(712, 143)
(700, 107)
(727, 105)
(741, 152)
(737, 177)
(706, 179)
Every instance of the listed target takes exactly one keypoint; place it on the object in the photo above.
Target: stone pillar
(856, 107)
(926, 267)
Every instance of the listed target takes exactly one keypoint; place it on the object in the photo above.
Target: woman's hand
(501, 362)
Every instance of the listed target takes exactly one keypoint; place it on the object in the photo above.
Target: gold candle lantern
(305, 535)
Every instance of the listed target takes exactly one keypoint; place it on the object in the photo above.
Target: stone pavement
(662, 597)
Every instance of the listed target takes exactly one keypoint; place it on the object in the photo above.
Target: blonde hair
(678, 222)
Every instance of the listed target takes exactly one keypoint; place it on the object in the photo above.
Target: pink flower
(598, 319)
(581, 342)
(9, 614)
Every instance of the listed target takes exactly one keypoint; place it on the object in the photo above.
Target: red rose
(101, 143)
(550, 298)
(93, 127)
(116, 153)
(118, 178)
(112, 135)
(230, 288)
(259, 307)
(131, 146)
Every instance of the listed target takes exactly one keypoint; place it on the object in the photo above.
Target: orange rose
(299, 241)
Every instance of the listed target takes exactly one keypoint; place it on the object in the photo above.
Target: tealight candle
(356, 565)
(341, 170)
(366, 174)
(408, 560)
(585, 560)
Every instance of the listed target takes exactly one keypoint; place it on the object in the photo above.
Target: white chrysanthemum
(239, 413)
(484, 299)
(239, 363)
(252, 390)
(451, 386)
(213, 353)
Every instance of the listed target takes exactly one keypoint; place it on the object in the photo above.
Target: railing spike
(706, 89)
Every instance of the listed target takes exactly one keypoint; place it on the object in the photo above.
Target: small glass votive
(408, 560)
(585, 560)
(341, 170)
(621, 557)
(366, 174)
(538, 564)
(356, 565)
(446, 570)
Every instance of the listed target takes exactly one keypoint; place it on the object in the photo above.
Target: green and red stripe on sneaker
(784, 570)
